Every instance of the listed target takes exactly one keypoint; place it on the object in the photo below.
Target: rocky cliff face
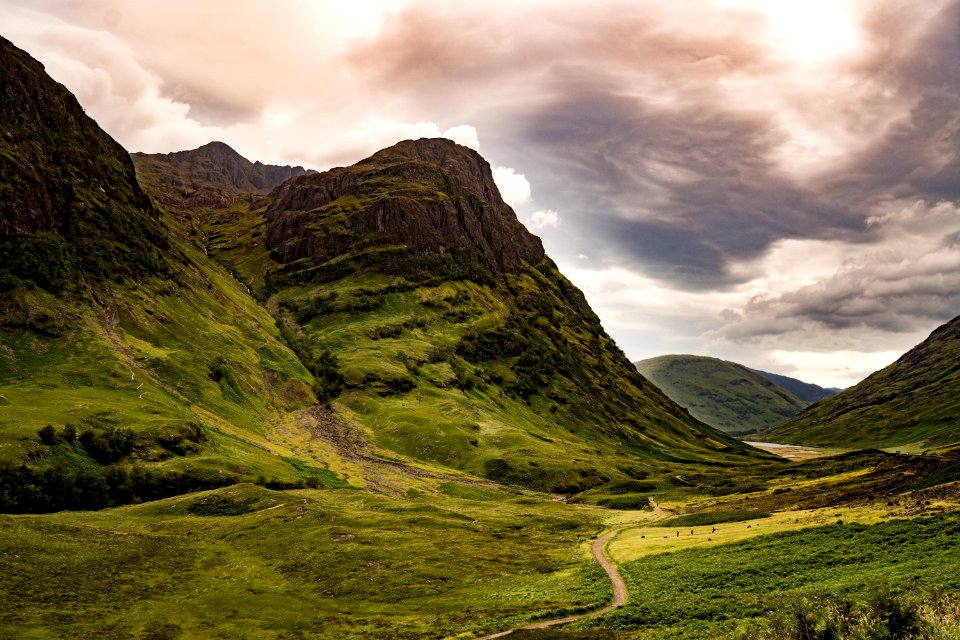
(208, 176)
(430, 196)
(67, 190)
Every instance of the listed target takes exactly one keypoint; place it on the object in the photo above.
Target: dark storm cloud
(920, 155)
(685, 190)
(679, 192)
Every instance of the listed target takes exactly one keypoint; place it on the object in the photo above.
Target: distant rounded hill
(727, 395)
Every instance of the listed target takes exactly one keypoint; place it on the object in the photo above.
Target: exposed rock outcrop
(429, 195)
(190, 176)
(69, 198)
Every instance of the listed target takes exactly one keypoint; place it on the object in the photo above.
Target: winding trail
(619, 592)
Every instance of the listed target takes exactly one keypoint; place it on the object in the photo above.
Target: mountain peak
(434, 150)
(429, 196)
(215, 166)
(216, 145)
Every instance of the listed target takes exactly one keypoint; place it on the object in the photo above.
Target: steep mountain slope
(912, 404)
(130, 365)
(69, 200)
(210, 174)
(806, 391)
(435, 320)
(402, 289)
(723, 394)
(446, 315)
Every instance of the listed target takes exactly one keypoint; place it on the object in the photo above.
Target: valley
(256, 401)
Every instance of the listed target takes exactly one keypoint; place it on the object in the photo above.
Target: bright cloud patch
(464, 134)
(544, 218)
(514, 187)
(835, 369)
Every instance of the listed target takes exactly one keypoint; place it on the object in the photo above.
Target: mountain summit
(429, 196)
(457, 339)
(208, 175)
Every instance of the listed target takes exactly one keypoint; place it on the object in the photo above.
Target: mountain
(423, 306)
(806, 391)
(319, 412)
(131, 366)
(208, 175)
(70, 202)
(911, 404)
(389, 324)
(723, 394)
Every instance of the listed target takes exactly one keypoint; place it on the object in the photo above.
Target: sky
(771, 182)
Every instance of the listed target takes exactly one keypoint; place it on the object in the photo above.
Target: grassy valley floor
(470, 560)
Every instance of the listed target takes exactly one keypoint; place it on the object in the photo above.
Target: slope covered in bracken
(914, 403)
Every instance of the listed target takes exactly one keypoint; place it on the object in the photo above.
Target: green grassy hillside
(131, 366)
(442, 328)
(185, 375)
(723, 394)
(913, 404)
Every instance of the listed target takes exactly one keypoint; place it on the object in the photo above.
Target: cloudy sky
(774, 182)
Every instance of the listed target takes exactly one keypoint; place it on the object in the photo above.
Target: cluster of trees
(110, 444)
(103, 445)
(59, 486)
(538, 357)
(95, 467)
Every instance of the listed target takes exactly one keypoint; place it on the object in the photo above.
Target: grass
(248, 562)
(709, 592)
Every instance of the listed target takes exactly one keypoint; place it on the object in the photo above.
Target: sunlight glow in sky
(806, 32)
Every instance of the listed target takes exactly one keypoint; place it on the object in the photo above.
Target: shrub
(48, 435)
(218, 369)
(328, 381)
(885, 615)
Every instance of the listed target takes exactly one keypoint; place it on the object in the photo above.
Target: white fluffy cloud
(513, 186)
(464, 134)
(544, 218)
